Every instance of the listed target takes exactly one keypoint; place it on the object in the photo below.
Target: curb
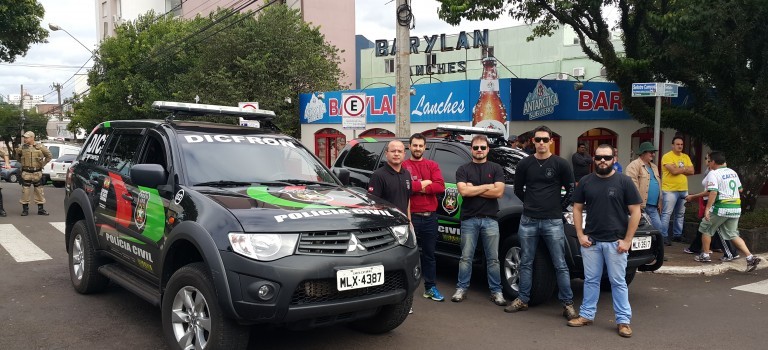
(710, 269)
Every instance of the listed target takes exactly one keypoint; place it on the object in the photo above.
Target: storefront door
(328, 143)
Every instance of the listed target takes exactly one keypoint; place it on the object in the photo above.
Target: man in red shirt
(427, 181)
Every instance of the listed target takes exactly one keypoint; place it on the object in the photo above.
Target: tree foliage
(10, 125)
(20, 27)
(265, 58)
(718, 49)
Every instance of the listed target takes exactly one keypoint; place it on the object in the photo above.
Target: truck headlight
(402, 233)
(263, 246)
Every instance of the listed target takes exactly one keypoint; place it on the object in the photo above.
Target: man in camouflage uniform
(7, 166)
(33, 158)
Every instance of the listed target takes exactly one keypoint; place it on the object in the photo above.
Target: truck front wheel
(543, 283)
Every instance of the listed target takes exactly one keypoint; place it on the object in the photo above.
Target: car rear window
(364, 155)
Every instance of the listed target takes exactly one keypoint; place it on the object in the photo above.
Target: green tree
(10, 119)
(240, 57)
(20, 27)
(716, 48)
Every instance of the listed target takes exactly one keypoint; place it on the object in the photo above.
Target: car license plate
(641, 243)
(360, 277)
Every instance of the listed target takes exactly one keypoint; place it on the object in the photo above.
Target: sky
(59, 59)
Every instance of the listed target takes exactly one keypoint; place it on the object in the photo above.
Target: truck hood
(304, 208)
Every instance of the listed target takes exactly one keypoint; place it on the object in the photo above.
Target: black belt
(31, 170)
(425, 213)
(481, 217)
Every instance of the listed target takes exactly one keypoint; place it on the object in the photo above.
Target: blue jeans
(595, 257)
(426, 233)
(674, 201)
(551, 231)
(653, 214)
(486, 229)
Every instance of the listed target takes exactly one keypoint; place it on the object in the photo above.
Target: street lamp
(54, 28)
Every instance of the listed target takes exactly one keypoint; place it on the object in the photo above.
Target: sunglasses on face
(477, 148)
(541, 139)
(606, 158)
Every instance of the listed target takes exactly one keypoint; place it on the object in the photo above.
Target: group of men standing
(605, 238)
(33, 157)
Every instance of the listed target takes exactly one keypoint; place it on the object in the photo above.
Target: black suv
(224, 226)
(362, 156)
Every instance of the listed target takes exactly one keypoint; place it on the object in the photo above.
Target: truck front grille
(342, 242)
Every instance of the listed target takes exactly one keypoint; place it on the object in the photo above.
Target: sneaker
(703, 257)
(688, 251)
(434, 294)
(752, 263)
(516, 305)
(569, 312)
(727, 259)
(624, 330)
(498, 299)
(459, 296)
(579, 322)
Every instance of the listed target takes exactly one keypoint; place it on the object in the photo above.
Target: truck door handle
(127, 197)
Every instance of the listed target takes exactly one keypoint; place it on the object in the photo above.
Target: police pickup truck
(361, 157)
(224, 226)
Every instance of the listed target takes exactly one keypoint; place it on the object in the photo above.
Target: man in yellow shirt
(676, 166)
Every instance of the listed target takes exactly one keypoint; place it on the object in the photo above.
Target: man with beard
(427, 181)
(538, 181)
(607, 237)
(481, 183)
(645, 175)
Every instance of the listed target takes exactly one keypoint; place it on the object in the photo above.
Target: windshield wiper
(223, 183)
(307, 182)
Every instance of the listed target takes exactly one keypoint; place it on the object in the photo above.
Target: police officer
(33, 158)
(7, 166)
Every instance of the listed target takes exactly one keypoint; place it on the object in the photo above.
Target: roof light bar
(245, 113)
(468, 130)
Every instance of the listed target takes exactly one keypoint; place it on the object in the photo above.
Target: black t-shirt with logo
(538, 184)
(479, 174)
(392, 186)
(606, 201)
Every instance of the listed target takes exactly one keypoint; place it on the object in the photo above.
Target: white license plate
(641, 243)
(360, 277)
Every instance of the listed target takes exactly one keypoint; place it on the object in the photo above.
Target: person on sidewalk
(33, 157)
(676, 166)
(723, 210)
(538, 181)
(426, 182)
(605, 241)
(616, 165)
(480, 183)
(729, 252)
(7, 165)
(581, 162)
(645, 175)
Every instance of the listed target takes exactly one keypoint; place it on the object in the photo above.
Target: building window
(389, 65)
(431, 59)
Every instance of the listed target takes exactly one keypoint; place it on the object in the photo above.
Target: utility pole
(403, 17)
(57, 86)
(21, 108)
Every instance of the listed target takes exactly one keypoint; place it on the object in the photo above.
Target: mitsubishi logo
(354, 244)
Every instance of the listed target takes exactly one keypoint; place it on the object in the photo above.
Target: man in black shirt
(581, 162)
(480, 183)
(538, 181)
(392, 182)
(607, 237)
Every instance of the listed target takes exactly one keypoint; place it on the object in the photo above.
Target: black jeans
(426, 233)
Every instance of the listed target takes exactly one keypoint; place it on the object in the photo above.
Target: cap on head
(646, 147)
(29, 134)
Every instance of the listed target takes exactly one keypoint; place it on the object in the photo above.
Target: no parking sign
(353, 111)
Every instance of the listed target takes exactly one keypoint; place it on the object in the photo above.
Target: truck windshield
(249, 159)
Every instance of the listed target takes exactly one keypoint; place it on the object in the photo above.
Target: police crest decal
(140, 213)
(451, 200)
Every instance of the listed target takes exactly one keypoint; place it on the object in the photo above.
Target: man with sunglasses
(676, 166)
(607, 237)
(538, 182)
(481, 184)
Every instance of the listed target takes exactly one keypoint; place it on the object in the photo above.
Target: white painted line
(19, 246)
(61, 226)
(757, 287)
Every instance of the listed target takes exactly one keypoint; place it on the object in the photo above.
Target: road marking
(19, 246)
(61, 226)
(757, 287)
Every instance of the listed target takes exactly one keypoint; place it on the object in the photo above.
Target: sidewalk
(679, 263)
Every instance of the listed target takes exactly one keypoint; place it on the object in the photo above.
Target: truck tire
(58, 184)
(192, 317)
(544, 281)
(388, 318)
(84, 262)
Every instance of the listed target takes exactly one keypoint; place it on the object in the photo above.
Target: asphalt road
(40, 310)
